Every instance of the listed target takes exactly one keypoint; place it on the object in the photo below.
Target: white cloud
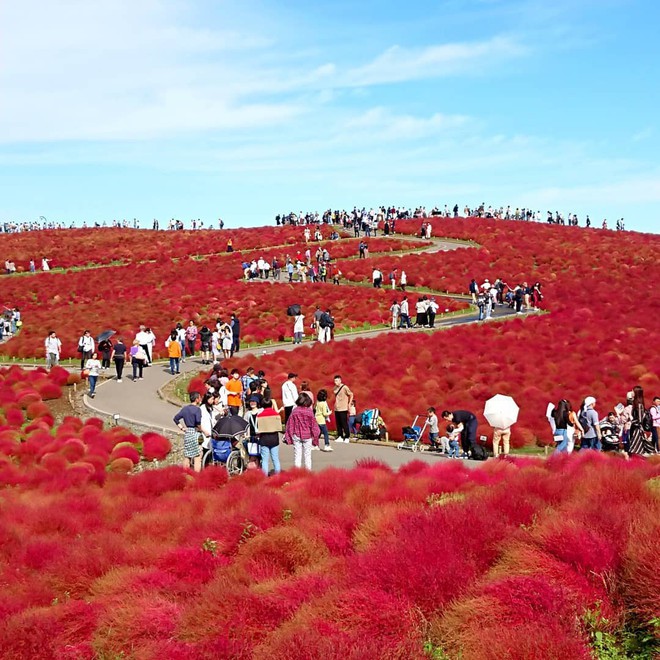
(384, 124)
(122, 69)
(399, 64)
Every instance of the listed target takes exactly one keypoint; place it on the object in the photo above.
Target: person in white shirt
(377, 278)
(216, 346)
(289, 395)
(396, 310)
(405, 313)
(93, 368)
(181, 338)
(403, 280)
(53, 349)
(85, 348)
(298, 328)
(144, 339)
(431, 311)
(151, 343)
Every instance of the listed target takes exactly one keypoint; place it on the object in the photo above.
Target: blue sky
(199, 108)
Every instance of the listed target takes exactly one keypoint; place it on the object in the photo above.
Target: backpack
(647, 421)
(478, 453)
(584, 421)
(326, 321)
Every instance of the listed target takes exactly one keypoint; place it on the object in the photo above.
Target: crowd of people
(10, 266)
(303, 414)
(10, 322)
(301, 267)
(13, 227)
(213, 344)
(426, 309)
(367, 219)
(631, 428)
(520, 297)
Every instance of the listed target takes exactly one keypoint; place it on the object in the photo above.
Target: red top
(302, 424)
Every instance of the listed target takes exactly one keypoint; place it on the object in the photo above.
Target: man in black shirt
(470, 423)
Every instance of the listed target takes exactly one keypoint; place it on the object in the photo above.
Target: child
(453, 434)
(434, 431)
(322, 414)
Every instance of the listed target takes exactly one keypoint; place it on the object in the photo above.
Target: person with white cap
(590, 422)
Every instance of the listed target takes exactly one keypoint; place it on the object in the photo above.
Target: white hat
(589, 401)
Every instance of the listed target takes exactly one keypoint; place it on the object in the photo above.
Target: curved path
(140, 402)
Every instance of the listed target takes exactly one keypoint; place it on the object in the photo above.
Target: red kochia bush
(155, 446)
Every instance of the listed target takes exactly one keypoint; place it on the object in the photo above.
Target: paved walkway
(139, 402)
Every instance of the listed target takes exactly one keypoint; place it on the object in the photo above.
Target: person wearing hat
(590, 422)
(289, 395)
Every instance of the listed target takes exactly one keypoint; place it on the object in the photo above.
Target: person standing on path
(235, 325)
(590, 422)
(298, 328)
(302, 432)
(640, 442)
(189, 420)
(326, 323)
(269, 427)
(93, 368)
(322, 415)
(143, 338)
(118, 356)
(318, 313)
(431, 311)
(181, 337)
(474, 289)
(85, 348)
(393, 279)
(405, 313)
(403, 280)
(138, 359)
(173, 352)
(289, 395)
(191, 338)
(396, 311)
(377, 278)
(105, 347)
(343, 400)
(53, 349)
(151, 346)
(234, 389)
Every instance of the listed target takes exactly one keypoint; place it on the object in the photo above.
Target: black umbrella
(105, 335)
(230, 426)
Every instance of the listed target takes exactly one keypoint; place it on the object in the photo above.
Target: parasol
(105, 335)
(230, 426)
(501, 411)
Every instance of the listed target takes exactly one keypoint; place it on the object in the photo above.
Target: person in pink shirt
(302, 431)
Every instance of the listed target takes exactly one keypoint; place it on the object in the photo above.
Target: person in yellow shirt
(234, 389)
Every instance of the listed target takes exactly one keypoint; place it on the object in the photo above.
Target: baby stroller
(369, 429)
(609, 436)
(227, 445)
(412, 436)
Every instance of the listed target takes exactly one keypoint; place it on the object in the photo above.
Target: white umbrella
(501, 411)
